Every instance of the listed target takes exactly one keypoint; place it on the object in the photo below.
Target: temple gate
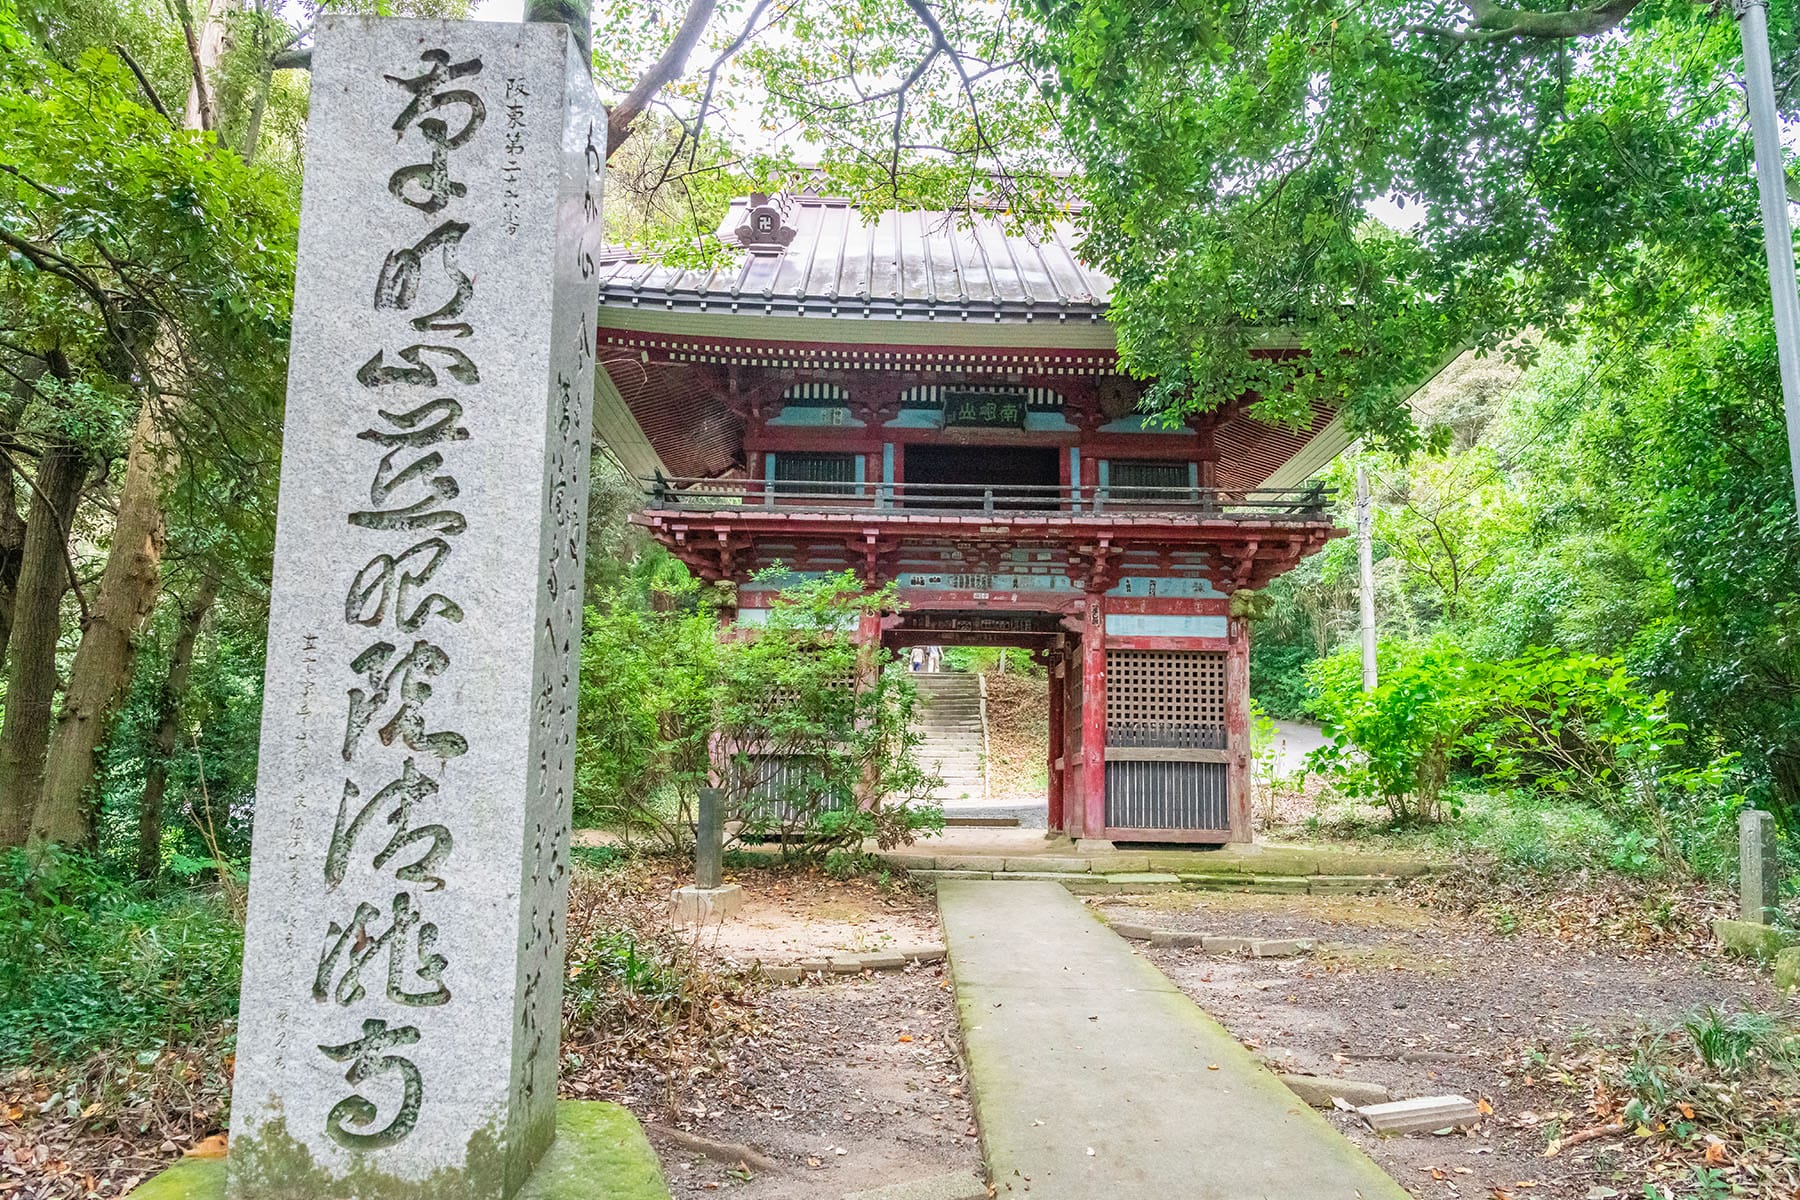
(940, 406)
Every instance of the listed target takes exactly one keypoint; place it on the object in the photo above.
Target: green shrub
(90, 963)
(670, 700)
(1541, 727)
(648, 674)
(801, 691)
(1392, 745)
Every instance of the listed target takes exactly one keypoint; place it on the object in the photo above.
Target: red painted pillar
(1074, 812)
(1093, 718)
(1055, 770)
(1237, 727)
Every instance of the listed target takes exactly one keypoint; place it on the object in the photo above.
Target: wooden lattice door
(1166, 741)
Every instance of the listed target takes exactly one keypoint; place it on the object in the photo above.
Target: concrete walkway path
(1095, 1079)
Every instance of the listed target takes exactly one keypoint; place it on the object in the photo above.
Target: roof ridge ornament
(766, 229)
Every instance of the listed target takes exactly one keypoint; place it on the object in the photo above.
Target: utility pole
(1365, 570)
(1778, 238)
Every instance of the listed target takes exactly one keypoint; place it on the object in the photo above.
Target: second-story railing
(1306, 503)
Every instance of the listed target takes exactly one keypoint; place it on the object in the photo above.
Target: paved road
(1096, 1079)
(1295, 741)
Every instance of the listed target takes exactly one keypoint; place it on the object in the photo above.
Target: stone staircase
(949, 720)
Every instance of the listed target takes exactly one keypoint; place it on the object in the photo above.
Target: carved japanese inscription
(403, 962)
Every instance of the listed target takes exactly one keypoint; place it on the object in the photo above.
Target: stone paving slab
(1095, 1079)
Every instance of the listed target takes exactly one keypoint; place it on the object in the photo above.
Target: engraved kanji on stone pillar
(409, 868)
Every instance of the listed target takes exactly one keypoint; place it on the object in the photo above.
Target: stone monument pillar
(1759, 866)
(404, 952)
(709, 897)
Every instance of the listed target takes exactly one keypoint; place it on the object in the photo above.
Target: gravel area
(1426, 1003)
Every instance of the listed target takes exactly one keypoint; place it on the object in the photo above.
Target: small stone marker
(1759, 866)
(1422, 1114)
(403, 956)
(1787, 970)
(709, 840)
(710, 898)
(1280, 947)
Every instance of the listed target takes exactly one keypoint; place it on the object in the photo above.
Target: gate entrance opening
(1158, 720)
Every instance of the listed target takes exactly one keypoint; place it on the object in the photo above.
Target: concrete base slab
(600, 1153)
(1421, 1114)
(1750, 938)
(1095, 1077)
(1320, 1090)
(1094, 846)
(699, 906)
(958, 1185)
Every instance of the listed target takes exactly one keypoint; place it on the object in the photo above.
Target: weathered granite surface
(404, 949)
(1759, 866)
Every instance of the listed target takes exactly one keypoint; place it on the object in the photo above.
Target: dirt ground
(785, 918)
(857, 1085)
(835, 1086)
(795, 1092)
(1428, 1003)
(1018, 736)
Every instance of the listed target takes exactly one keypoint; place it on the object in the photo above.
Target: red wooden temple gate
(939, 407)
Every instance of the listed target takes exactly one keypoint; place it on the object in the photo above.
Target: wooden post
(1074, 811)
(1365, 575)
(1054, 771)
(868, 665)
(1237, 727)
(1093, 718)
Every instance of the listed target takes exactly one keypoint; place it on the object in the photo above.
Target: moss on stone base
(1787, 970)
(189, 1179)
(1749, 938)
(600, 1153)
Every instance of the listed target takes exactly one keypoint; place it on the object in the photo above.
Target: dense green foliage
(1548, 179)
(1567, 727)
(89, 964)
(1627, 503)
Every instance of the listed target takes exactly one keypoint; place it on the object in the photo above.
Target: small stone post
(1759, 866)
(709, 840)
(403, 956)
(710, 898)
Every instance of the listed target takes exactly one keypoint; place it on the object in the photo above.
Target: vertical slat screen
(813, 474)
(1166, 795)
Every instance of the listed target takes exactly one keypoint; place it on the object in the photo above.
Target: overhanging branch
(1493, 22)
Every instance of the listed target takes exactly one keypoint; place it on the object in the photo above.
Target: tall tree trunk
(12, 525)
(168, 724)
(102, 668)
(133, 574)
(37, 620)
